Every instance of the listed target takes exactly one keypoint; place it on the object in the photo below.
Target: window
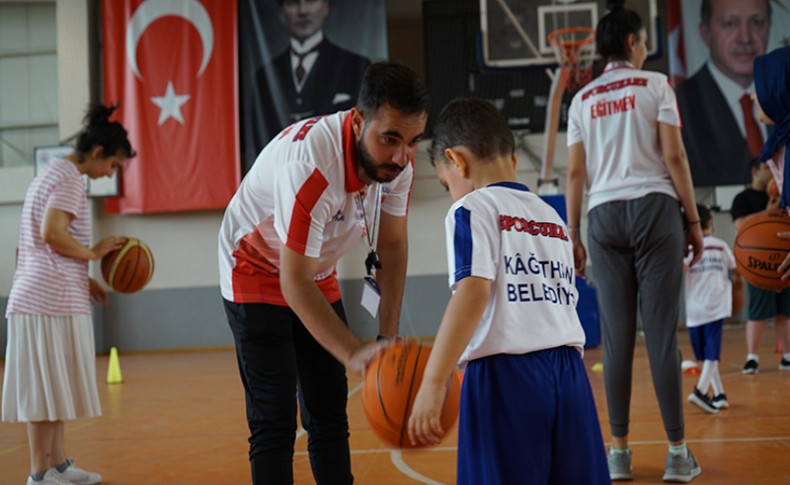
(28, 80)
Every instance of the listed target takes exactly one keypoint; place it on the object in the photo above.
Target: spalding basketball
(759, 252)
(130, 268)
(391, 382)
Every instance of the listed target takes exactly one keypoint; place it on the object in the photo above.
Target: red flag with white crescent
(171, 65)
(676, 48)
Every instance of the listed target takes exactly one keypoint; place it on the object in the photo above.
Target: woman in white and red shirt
(625, 147)
(50, 368)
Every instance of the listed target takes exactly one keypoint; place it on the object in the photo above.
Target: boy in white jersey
(709, 300)
(527, 410)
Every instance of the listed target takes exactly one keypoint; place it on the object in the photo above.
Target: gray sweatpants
(636, 249)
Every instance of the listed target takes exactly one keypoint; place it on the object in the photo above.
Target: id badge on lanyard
(371, 293)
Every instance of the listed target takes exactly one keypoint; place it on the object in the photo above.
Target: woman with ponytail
(50, 368)
(625, 147)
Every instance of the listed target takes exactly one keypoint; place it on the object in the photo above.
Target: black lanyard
(371, 233)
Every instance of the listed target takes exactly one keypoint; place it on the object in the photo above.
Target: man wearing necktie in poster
(312, 76)
(720, 130)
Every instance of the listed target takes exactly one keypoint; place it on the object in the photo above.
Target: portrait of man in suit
(312, 76)
(720, 128)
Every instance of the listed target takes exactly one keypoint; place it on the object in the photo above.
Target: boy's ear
(457, 161)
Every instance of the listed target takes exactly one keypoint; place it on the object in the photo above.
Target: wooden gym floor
(178, 418)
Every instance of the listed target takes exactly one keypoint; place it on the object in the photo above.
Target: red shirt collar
(351, 157)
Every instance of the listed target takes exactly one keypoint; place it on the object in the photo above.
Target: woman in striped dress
(50, 368)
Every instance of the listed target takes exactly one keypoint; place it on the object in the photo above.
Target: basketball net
(574, 48)
(575, 51)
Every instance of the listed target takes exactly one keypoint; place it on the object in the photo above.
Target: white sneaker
(78, 476)
(51, 477)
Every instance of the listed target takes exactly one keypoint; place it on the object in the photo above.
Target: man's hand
(361, 356)
(784, 268)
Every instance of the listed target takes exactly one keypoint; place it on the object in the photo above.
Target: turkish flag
(171, 65)
(676, 48)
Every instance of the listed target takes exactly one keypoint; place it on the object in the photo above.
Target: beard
(372, 171)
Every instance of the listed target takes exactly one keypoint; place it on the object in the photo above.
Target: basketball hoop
(574, 48)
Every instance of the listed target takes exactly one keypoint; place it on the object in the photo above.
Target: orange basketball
(391, 383)
(130, 268)
(759, 252)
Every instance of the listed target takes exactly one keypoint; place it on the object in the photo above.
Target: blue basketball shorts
(529, 419)
(706, 340)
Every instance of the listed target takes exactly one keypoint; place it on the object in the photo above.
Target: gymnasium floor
(178, 418)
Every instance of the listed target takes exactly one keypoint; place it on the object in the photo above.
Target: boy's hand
(425, 425)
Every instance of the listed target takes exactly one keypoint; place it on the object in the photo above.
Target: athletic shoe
(681, 469)
(620, 465)
(51, 477)
(702, 401)
(751, 367)
(720, 401)
(78, 476)
(784, 364)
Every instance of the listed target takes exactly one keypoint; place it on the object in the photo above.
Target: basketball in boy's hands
(759, 251)
(129, 268)
(391, 383)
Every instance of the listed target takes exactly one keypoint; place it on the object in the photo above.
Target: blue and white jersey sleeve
(472, 241)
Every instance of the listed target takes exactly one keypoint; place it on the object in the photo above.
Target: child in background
(709, 300)
(527, 409)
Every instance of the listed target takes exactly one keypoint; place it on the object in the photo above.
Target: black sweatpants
(276, 356)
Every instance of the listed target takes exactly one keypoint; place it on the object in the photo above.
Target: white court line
(397, 459)
(301, 432)
(717, 440)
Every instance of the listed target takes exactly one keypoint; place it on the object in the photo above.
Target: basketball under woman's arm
(576, 177)
(677, 164)
(460, 320)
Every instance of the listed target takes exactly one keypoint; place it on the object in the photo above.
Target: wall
(181, 306)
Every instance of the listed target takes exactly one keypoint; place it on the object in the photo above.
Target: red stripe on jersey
(257, 280)
(714, 248)
(350, 157)
(306, 198)
(615, 86)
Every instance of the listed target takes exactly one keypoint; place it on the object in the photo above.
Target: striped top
(45, 281)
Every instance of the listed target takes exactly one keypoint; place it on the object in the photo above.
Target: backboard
(514, 31)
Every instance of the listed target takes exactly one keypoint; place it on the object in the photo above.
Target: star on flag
(170, 104)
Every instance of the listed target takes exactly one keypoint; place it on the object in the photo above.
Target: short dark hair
(475, 124)
(705, 11)
(390, 82)
(705, 215)
(613, 29)
(98, 130)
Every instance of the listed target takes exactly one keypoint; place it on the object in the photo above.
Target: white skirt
(50, 369)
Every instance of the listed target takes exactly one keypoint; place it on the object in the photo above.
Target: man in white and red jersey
(313, 192)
